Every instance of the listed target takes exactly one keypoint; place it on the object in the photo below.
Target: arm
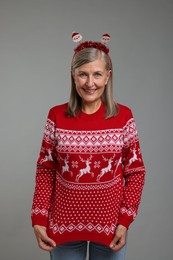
(42, 196)
(133, 173)
(44, 184)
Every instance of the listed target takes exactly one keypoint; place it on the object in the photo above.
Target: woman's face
(90, 80)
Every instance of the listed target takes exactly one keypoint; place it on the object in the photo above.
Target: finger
(117, 247)
(45, 246)
(46, 243)
(117, 243)
(114, 242)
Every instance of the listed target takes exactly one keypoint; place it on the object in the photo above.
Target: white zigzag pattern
(80, 227)
(36, 211)
(49, 132)
(130, 133)
(128, 211)
(109, 140)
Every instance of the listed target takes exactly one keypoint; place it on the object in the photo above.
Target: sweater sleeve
(45, 174)
(134, 174)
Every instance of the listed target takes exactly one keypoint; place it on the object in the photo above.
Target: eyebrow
(97, 71)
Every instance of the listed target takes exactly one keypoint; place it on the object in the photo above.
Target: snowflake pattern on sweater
(90, 175)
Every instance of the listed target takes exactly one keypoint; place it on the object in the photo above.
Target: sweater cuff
(125, 220)
(41, 221)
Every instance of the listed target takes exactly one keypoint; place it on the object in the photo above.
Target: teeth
(90, 90)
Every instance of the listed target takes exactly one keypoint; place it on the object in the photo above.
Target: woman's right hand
(43, 240)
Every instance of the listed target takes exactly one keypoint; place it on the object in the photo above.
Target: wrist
(120, 226)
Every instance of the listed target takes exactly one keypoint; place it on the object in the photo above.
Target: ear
(108, 75)
(72, 74)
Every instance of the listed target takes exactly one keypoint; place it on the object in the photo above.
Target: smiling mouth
(89, 91)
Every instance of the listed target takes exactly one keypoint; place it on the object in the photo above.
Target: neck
(90, 108)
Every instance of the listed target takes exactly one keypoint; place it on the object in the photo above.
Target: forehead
(97, 65)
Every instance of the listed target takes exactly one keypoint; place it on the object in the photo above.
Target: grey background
(35, 55)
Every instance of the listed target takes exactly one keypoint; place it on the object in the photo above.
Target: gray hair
(82, 57)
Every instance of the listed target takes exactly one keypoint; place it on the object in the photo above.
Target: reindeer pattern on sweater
(84, 163)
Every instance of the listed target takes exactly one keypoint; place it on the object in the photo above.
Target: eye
(82, 75)
(97, 74)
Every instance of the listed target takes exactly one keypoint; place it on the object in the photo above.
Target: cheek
(79, 82)
(79, 85)
(79, 90)
(102, 84)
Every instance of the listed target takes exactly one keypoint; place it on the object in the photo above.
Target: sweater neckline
(99, 113)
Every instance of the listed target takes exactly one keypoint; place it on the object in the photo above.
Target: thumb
(48, 241)
(119, 239)
(114, 241)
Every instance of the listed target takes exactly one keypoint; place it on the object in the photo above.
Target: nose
(90, 81)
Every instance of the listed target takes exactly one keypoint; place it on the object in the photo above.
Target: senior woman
(90, 172)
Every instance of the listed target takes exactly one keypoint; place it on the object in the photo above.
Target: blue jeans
(78, 251)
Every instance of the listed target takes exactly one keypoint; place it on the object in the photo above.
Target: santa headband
(77, 38)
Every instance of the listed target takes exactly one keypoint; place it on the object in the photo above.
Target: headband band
(90, 44)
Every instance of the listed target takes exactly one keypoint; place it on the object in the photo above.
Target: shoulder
(124, 111)
(59, 108)
(57, 111)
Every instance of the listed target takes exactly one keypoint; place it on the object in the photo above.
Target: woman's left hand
(120, 238)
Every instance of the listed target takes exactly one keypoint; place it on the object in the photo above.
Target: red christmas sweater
(90, 175)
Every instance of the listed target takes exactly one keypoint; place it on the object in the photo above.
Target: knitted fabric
(90, 175)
